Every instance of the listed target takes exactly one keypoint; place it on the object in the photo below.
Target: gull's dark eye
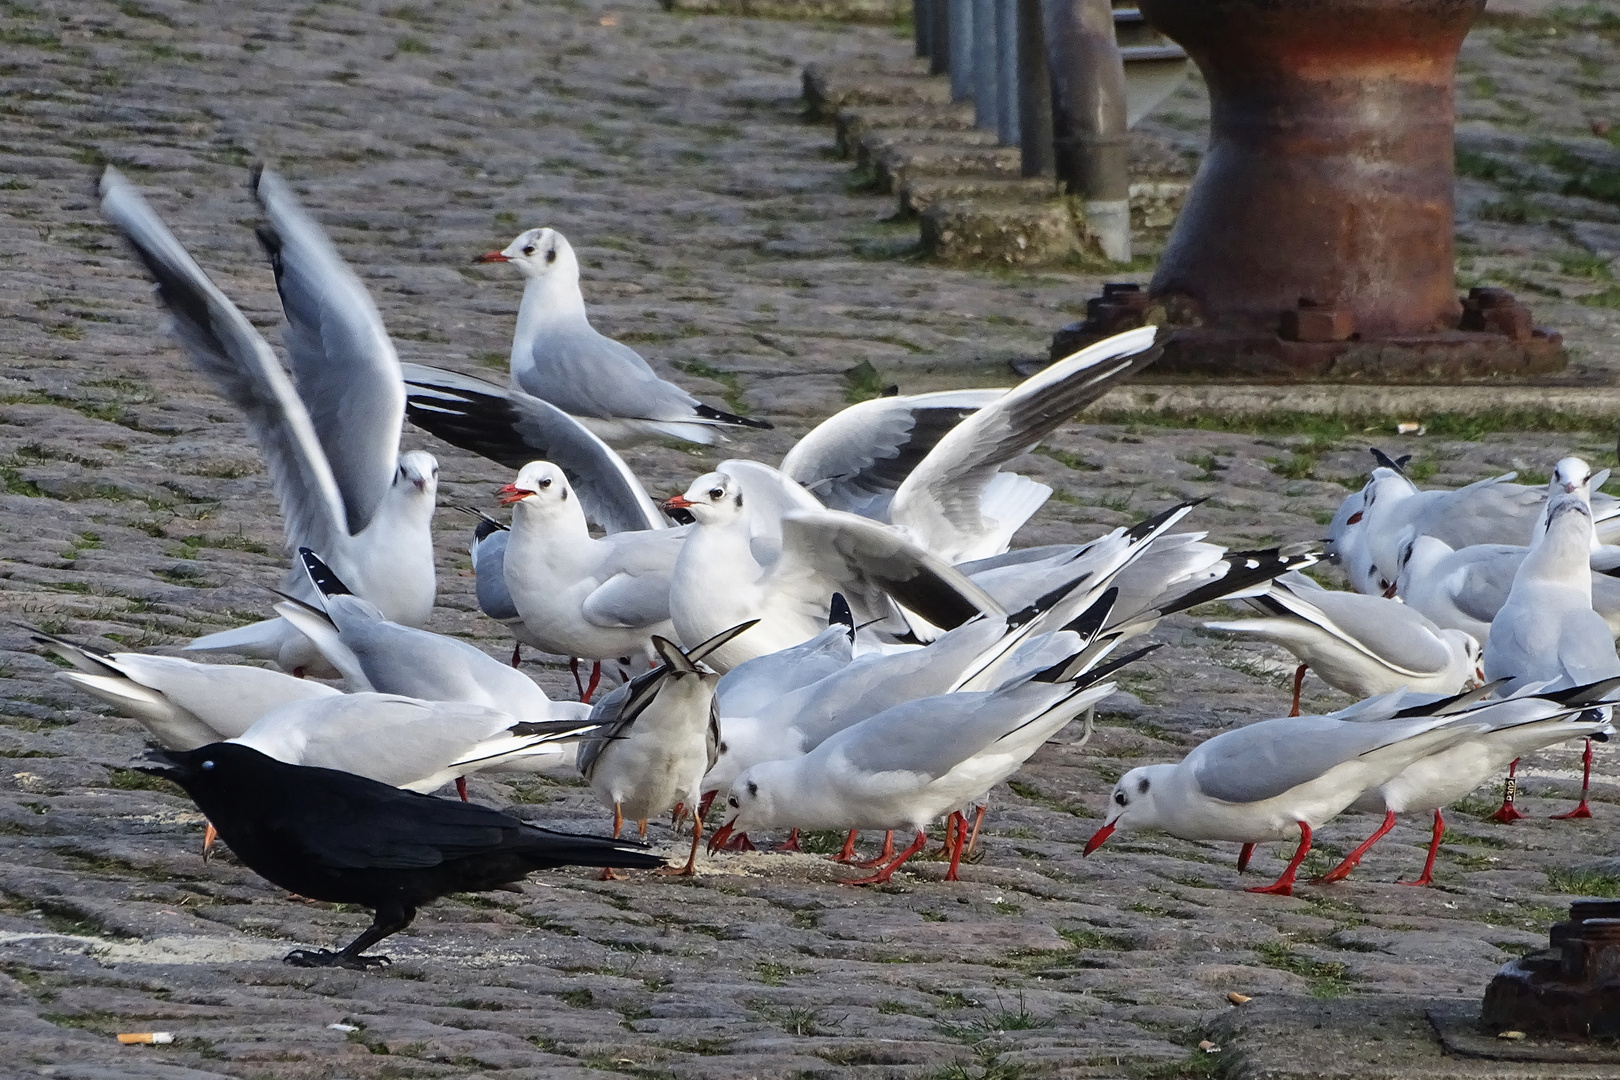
(732, 802)
(717, 493)
(1119, 797)
(551, 256)
(545, 483)
(208, 765)
(530, 251)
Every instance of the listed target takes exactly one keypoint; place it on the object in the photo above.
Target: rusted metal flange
(1316, 242)
(1571, 989)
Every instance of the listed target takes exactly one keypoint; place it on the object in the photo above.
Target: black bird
(342, 838)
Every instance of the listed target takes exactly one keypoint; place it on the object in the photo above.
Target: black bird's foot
(310, 958)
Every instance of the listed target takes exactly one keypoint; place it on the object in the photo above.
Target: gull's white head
(749, 806)
(713, 498)
(1571, 476)
(418, 475)
(1132, 805)
(540, 487)
(539, 253)
(1467, 651)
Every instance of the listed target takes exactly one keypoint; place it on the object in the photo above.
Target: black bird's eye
(1142, 786)
(207, 765)
(732, 802)
(753, 788)
(530, 251)
(545, 483)
(717, 493)
(1119, 797)
(551, 256)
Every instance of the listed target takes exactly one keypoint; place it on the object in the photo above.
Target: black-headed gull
(183, 704)
(719, 579)
(330, 433)
(658, 736)
(400, 741)
(1546, 632)
(754, 684)
(595, 598)
(1363, 645)
(1272, 780)
(559, 357)
(375, 654)
(911, 764)
(1513, 728)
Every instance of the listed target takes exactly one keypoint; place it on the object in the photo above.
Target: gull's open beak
(491, 256)
(718, 838)
(511, 493)
(1389, 591)
(1099, 838)
(705, 802)
(677, 502)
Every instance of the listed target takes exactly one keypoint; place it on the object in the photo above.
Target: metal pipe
(1007, 72)
(1034, 91)
(960, 14)
(986, 68)
(1088, 117)
(939, 37)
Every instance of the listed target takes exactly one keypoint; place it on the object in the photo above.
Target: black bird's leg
(390, 919)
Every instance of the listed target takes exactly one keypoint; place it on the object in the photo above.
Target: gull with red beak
(558, 356)
(329, 433)
(578, 595)
(1363, 645)
(1277, 779)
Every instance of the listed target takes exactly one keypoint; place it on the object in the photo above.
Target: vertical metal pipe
(1007, 72)
(985, 66)
(921, 24)
(1088, 117)
(939, 38)
(1034, 91)
(961, 42)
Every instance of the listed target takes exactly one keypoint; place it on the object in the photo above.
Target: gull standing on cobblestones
(560, 358)
(1273, 780)
(1363, 645)
(329, 433)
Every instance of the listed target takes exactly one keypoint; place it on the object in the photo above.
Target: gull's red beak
(1099, 838)
(1389, 591)
(491, 256)
(511, 493)
(677, 502)
(705, 802)
(719, 837)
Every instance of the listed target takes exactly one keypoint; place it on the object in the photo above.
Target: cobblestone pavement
(719, 238)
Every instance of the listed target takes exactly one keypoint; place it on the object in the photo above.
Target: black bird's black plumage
(342, 838)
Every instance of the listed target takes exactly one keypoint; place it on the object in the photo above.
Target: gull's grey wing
(229, 351)
(514, 428)
(768, 495)
(1263, 760)
(869, 562)
(586, 373)
(940, 499)
(616, 714)
(1391, 632)
(1586, 648)
(343, 363)
(488, 552)
(856, 459)
(629, 600)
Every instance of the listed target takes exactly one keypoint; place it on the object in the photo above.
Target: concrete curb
(1403, 402)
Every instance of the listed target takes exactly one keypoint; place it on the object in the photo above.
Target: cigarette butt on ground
(130, 1038)
(1208, 1047)
(1238, 999)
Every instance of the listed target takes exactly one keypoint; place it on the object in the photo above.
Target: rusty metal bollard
(1317, 239)
(1572, 988)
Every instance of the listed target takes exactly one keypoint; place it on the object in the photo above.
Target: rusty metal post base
(1496, 337)
(1572, 989)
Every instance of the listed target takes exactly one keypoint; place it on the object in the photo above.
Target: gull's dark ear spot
(739, 500)
(753, 788)
(1142, 786)
(551, 256)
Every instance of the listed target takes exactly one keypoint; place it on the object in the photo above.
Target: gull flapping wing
(514, 428)
(343, 363)
(857, 458)
(940, 501)
(230, 351)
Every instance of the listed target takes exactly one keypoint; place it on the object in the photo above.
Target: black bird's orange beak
(1099, 838)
